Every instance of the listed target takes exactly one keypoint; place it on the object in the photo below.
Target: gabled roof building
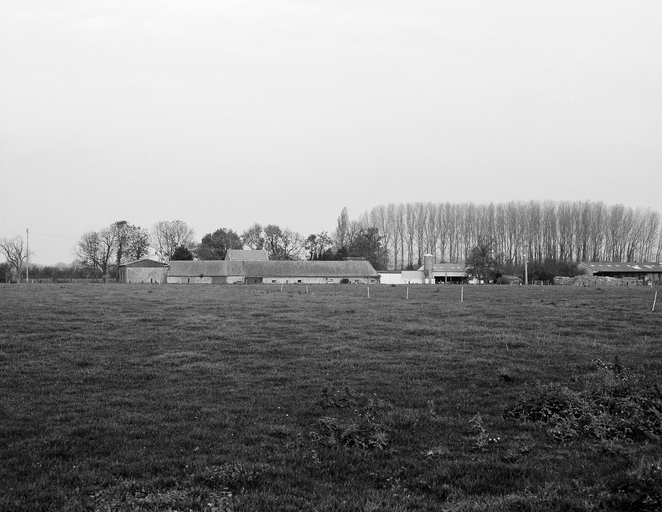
(280, 272)
(143, 271)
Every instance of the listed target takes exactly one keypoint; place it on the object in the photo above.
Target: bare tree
(431, 229)
(282, 244)
(253, 237)
(139, 244)
(550, 234)
(132, 243)
(410, 230)
(168, 235)
(399, 234)
(650, 235)
(317, 245)
(342, 228)
(452, 228)
(380, 219)
(15, 252)
(391, 213)
(353, 229)
(95, 250)
(421, 224)
(442, 228)
(292, 244)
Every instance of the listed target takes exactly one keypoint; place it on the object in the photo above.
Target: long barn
(275, 272)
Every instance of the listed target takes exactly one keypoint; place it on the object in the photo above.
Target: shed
(390, 276)
(448, 272)
(641, 271)
(143, 271)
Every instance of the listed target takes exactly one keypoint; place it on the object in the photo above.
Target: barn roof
(246, 255)
(447, 267)
(144, 262)
(196, 268)
(222, 268)
(309, 269)
(617, 266)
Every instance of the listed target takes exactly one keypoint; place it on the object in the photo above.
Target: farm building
(390, 276)
(402, 277)
(429, 273)
(641, 271)
(143, 271)
(205, 272)
(310, 272)
(440, 273)
(257, 272)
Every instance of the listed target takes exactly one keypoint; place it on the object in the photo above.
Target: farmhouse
(640, 271)
(143, 271)
(257, 272)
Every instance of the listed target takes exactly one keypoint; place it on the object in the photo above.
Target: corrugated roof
(246, 255)
(309, 269)
(617, 266)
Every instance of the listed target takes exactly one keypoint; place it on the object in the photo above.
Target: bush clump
(613, 404)
(362, 429)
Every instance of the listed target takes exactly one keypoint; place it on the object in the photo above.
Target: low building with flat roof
(622, 270)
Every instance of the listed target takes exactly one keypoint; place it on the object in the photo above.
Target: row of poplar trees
(538, 230)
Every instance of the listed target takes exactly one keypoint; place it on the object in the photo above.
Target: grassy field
(138, 397)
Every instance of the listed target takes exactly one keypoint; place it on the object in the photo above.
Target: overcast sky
(226, 113)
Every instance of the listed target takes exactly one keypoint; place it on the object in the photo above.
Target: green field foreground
(213, 397)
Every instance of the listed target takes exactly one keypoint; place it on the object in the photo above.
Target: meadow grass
(210, 397)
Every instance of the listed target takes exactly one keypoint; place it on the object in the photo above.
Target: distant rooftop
(618, 266)
(246, 255)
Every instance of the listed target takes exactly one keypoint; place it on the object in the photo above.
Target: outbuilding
(649, 272)
(205, 272)
(280, 272)
(442, 273)
(143, 271)
(310, 272)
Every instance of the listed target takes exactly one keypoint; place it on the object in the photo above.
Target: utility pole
(27, 254)
(526, 265)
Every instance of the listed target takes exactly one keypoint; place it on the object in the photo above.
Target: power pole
(27, 255)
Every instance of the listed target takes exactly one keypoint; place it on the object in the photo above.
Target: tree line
(536, 230)
(394, 236)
